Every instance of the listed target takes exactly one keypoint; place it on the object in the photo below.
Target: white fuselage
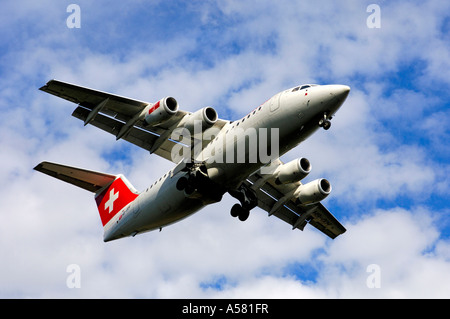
(270, 130)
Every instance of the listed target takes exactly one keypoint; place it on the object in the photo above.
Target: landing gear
(326, 125)
(238, 211)
(197, 185)
(196, 177)
(182, 183)
(188, 185)
(248, 201)
(324, 122)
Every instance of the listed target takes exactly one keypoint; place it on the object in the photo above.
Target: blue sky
(386, 155)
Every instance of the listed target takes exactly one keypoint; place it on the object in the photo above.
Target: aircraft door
(275, 102)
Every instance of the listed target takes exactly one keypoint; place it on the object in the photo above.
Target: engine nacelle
(161, 111)
(293, 171)
(312, 192)
(205, 117)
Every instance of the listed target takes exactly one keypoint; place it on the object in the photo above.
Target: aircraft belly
(158, 213)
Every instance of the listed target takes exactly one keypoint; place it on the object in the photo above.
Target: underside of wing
(118, 106)
(147, 125)
(142, 137)
(279, 200)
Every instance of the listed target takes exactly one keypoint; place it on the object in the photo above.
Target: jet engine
(161, 111)
(205, 117)
(293, 171)
(312, 192)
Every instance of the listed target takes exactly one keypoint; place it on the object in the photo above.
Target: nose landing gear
(325, 122)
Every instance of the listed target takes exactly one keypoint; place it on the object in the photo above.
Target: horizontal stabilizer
(88, 180)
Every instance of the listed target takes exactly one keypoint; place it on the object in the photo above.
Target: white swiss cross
(112, 198)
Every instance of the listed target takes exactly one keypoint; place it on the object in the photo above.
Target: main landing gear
(196, 184)
(247, 199)
(238, 211)
(191, 183)
(325, 122)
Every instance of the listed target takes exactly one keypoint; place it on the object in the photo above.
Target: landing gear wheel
(248, 201)
(182, 183)
(243, 215)
(190, 189)
(238, 211)
(324, 122)
(235, 210)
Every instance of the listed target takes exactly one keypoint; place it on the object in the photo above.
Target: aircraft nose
(339, 91)
(337, 95)
(331, 97)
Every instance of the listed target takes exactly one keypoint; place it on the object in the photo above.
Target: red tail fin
(112, 192)
(114, 197)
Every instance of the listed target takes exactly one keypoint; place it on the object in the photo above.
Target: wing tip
(46, 85)
(39, 167)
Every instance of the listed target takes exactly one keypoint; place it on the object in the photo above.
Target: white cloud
(403, 244)
(402, 247)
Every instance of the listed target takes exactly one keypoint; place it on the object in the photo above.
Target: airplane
(212, 157)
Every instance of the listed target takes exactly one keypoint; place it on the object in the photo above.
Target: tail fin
(113, 197)
(112, 192)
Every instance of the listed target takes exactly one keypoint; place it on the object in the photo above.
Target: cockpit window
(304, 86)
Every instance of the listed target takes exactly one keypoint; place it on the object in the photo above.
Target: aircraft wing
(116, 114)
(277, 200)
